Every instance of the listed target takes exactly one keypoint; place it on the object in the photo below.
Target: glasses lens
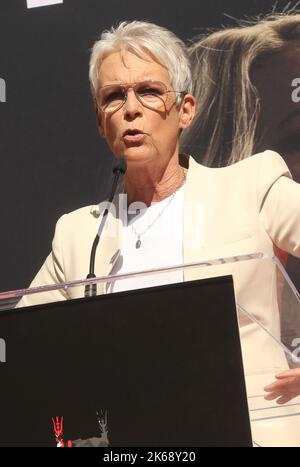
(151, 93)
(111, 97)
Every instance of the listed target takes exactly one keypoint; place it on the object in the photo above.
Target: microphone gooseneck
(119, 169)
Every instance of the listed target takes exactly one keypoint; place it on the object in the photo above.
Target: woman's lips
(134, 138)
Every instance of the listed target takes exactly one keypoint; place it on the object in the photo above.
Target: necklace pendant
(138, 244)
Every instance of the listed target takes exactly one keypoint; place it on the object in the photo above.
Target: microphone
(120, 167)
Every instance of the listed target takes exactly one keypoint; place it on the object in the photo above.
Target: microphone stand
(90, 290)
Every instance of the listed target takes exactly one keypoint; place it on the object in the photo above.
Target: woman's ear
(187, 111)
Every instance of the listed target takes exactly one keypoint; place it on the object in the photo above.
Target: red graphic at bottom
(59, 431)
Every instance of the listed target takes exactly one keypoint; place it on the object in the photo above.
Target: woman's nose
(132, 105)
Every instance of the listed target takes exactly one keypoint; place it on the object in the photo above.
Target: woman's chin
(137, 154)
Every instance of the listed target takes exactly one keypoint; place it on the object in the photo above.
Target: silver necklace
(138, 243)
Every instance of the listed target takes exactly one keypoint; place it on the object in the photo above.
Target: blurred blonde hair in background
(226, 129)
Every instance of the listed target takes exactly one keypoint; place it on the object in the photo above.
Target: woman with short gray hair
(187, 212)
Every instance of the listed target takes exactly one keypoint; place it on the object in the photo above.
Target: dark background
(52, 160)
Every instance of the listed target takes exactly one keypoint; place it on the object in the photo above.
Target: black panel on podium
(164, 363)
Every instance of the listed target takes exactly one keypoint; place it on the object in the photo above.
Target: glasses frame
(127, 86)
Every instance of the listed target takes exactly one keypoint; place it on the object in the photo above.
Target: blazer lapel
(193, 220)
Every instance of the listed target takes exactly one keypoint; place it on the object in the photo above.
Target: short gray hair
(141, 36)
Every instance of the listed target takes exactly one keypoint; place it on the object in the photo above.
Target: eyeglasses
(151, 94)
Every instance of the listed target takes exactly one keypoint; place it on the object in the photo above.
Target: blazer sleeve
(279, 202)
(51, 272)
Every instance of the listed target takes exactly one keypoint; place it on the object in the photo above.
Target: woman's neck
(149, 187)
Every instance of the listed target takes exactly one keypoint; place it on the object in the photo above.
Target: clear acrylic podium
(269, 321)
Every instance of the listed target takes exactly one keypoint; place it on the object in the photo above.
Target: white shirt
(161, 234)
